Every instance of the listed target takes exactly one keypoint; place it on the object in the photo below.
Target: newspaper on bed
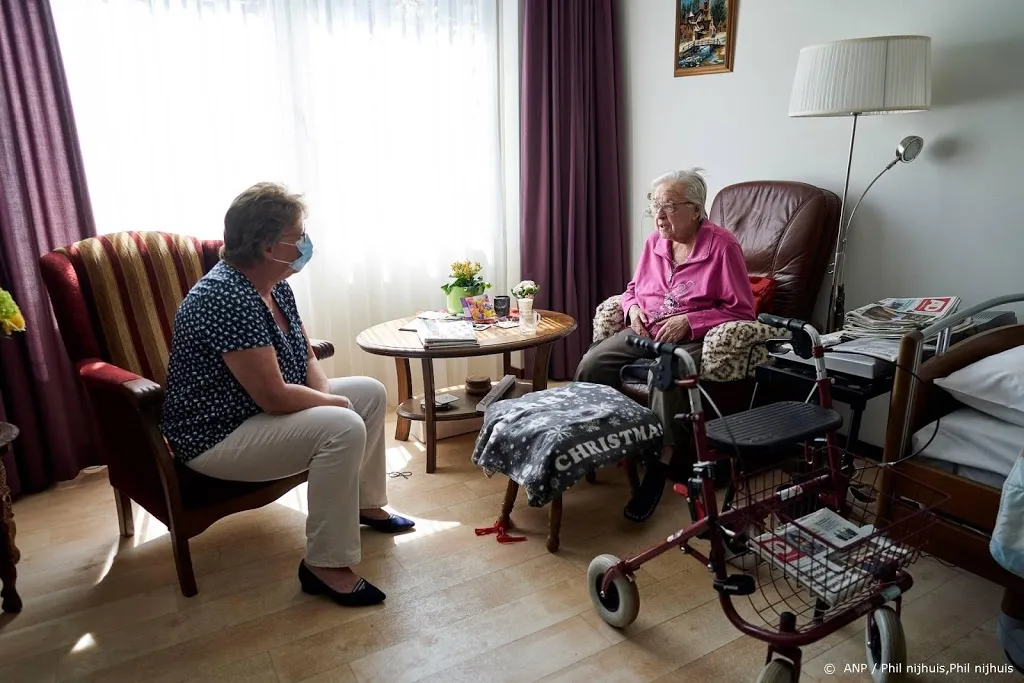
(831, 572)
(893, 318)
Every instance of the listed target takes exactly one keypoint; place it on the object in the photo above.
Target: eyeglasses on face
(301, 237)
(669, 207)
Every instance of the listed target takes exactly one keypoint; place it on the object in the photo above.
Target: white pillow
(971, 438)
(993, 385)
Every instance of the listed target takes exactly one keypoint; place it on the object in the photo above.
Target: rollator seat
(771, 427)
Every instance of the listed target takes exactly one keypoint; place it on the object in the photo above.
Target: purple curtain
(574, 237)
(44, 204)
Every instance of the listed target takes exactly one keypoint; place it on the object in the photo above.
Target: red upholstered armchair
(115, 297)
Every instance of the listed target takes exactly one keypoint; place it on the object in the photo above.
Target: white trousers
(342, 449)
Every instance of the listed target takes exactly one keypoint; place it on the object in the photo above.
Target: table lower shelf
(464, 409)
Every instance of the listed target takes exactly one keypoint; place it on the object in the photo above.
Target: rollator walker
(806, 532)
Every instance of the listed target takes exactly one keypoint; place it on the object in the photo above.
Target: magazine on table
(479, 308)
(831, 570)
(436, 334)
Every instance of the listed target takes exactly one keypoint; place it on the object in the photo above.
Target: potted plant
(11, 320)
(524, 293)
(465, 280)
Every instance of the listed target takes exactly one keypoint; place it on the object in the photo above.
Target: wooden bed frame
(967, 520)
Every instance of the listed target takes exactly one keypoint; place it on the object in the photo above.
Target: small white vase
(524, 305)
(527, 317)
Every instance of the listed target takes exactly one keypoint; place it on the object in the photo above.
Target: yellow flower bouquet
(11, 320)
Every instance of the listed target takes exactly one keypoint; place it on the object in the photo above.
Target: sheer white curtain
(383, 113)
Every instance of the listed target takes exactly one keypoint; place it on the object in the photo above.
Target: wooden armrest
(322, 348)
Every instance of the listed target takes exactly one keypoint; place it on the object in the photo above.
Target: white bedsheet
(985, 447)
(974, 444)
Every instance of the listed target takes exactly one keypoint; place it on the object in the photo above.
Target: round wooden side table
(389, 339)
(9, 555)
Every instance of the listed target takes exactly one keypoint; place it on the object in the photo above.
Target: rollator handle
(666, 352)
(645, 344)
(792, 324)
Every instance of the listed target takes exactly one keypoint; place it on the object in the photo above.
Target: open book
(834, 560)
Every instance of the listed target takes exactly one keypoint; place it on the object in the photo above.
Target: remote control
(497, 391)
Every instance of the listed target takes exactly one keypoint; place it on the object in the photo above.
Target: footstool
(546, 441)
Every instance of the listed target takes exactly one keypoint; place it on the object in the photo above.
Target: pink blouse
(712, 287)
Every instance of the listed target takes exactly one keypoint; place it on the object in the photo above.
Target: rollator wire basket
(813, 560)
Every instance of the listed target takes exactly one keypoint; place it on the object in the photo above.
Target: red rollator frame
(762, 506)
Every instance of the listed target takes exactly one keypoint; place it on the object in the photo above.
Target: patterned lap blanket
(547, 440)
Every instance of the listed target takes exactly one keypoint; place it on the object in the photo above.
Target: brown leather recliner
(788, 231)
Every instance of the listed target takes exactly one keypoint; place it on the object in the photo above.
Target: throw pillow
(763, 289)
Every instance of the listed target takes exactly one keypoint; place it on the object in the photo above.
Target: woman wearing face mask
(247, 400)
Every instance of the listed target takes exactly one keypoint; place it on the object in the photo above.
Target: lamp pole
(837, 292)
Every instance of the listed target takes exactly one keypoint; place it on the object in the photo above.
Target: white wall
(949, 223)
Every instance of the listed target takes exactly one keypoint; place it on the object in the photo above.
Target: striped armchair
(115, 297)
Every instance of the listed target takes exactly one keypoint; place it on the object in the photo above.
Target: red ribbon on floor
(501, 529)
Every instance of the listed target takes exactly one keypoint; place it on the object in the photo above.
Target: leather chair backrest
(788, 231)
(115, 296)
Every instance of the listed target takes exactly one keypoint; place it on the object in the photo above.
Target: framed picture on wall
(705, 36)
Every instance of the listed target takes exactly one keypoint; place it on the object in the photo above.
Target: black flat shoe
(392, 525)
(364, 594)
(645, 502)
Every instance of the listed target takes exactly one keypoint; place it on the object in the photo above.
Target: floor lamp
(883, 75)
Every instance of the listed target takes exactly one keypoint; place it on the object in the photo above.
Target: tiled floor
(460, 607)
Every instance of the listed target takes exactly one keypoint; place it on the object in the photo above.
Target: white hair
(696, 188)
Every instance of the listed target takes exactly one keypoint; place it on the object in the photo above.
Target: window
(383, 113)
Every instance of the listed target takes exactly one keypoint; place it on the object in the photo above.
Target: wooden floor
(460, 607)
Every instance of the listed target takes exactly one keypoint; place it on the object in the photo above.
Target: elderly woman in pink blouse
(691, 277)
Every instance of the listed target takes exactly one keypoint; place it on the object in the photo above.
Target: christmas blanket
(546, 441)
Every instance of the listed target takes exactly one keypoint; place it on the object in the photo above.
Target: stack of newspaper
(893, 318)
(836, 569)
(440, 334)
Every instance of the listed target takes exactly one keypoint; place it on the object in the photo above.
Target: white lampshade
(887, 74)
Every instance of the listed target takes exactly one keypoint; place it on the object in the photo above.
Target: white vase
(527, 324)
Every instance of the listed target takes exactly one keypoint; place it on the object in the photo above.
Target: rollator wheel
(777, 671)
(886, 646)
(620, 605)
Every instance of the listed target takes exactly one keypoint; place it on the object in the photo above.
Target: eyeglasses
(670, 207)
(302, 236)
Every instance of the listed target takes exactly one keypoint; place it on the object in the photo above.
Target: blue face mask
(305, 247)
